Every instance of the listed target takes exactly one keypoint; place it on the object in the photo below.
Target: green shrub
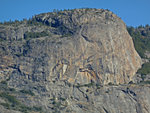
(63, 99)
(35, 22)
(29, 92)
(85, 85)
(12, 89)
(145, 82)
(110, 83)
(131, 82)
(66, 35)
(29, 35)
(145, 69)
(4, 82)
(98, 86)
(107, 91)
(1, 40)
(10, 98)
(37, 108)
(6, 105)
(24, 108)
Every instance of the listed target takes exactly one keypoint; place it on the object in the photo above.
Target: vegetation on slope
(9, 95)
(141, 39)
(29, 35)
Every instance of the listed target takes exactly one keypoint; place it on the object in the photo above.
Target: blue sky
(133, 12)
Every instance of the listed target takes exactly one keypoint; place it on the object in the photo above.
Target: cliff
(66, 61)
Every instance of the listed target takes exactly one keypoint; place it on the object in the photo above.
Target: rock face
(100, 48)
(66, 57)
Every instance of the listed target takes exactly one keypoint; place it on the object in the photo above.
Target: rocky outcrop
(66, 57)
(100, 47)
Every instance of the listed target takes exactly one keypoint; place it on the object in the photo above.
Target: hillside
(141, 39)
(80, 60)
